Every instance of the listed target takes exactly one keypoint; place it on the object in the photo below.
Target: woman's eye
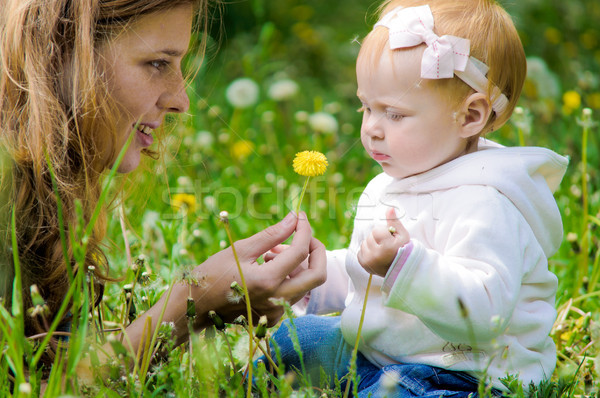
(159, 64)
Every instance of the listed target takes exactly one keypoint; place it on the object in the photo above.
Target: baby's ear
(475, 112)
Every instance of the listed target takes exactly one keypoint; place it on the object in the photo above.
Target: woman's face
(142, 66)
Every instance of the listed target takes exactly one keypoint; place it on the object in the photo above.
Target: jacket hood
(527, 176)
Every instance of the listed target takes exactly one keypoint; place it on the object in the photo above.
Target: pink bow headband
(444, 56)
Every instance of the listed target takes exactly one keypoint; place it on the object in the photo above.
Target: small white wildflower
(223, 244)
(283, 90)
(587, 112)
(184, 181)
(301, 116)
(142, 257)
(188, 141)
(197, 233)
(270, 178)
(25, 388)
(333, 107)
(323, 122)
(282, 183)
(347, 128)
(91, 268)
(204, 139)
(242, 93)
(224, 138)
(224, 215)
(214, 111)
(321, 204)
(337, 178)
(268, 116)
(210, 202)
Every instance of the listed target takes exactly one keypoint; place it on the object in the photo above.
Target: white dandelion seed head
(233, 297)
(283, 90)
(242, 93)
(224, 215)
(323, 122)
(204, 139)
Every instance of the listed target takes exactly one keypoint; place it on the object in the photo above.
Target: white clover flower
(283, 90)
(204, 139)
(323, 122)
(242, 93)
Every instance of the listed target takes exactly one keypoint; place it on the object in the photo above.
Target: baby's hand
(379, 250)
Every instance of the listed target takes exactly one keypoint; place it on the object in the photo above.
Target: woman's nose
(175, 98)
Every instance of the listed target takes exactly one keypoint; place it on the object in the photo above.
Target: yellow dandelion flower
(571, 101)
(310, 163)
(184, 201)
(240, 150)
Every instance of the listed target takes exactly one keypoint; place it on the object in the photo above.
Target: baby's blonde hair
(494, 41)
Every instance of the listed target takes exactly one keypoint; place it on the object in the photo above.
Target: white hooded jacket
(475, 293)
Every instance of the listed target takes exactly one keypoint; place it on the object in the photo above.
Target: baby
(456, 231)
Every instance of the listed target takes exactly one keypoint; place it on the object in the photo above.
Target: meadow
(278, 78)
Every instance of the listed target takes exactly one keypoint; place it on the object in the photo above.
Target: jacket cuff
(396, 267)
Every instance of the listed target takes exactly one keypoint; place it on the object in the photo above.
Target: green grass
(239, 160)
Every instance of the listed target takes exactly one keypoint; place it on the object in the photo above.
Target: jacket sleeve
(485, 264)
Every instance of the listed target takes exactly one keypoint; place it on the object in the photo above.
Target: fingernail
(290, 218)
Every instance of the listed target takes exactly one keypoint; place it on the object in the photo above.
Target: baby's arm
(378, 250)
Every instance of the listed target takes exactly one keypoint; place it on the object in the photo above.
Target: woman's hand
(282, 276)
(378, 251)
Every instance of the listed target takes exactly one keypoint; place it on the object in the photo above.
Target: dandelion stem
(584, 254)
(248, 306)
(302, 195)
(352, 372)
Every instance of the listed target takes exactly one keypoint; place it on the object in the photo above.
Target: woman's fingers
(265, 240)
(307, 279)
(289, 259)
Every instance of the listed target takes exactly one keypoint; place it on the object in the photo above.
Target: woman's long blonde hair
(55, 108)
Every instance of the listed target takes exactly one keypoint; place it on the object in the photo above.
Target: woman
(78, 77)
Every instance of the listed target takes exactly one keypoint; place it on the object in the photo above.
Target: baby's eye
(364, 108)
(393, 116)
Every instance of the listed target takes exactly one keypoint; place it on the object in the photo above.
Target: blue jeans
(325, 353)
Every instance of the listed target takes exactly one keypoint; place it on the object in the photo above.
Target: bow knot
(412, 26)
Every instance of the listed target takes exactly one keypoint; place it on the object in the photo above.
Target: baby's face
(407, 126)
